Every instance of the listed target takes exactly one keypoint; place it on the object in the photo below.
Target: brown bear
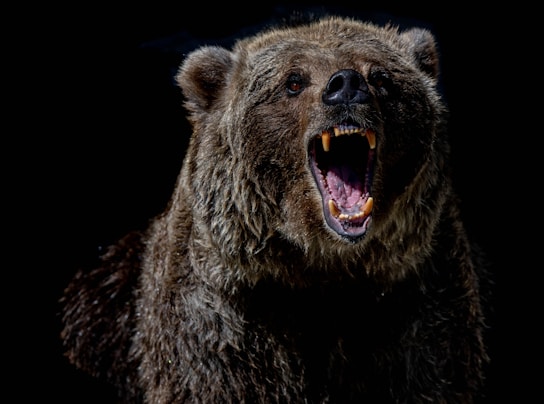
(313, 250)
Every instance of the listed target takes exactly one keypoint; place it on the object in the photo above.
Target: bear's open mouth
(342, 162)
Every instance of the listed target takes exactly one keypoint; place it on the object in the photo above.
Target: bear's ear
(422, 45)
(202, 74)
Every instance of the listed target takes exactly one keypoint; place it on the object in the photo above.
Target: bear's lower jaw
(351, 225)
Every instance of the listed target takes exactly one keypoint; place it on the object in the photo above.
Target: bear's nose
(346, 86)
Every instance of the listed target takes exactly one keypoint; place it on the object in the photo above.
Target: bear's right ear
(201, 76)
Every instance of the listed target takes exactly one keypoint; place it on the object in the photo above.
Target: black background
(98, 136)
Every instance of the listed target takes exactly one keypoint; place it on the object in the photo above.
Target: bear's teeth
(326, 136)
(326, 140)
(364, 210)
(333, 208)
(338, 131)
(367, 207)
(371, 137)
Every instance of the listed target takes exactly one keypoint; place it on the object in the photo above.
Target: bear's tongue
(344, 186)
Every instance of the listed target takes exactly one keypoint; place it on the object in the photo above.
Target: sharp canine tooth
(333, 208)
(367, 207)
(326, 140)
(371, 137)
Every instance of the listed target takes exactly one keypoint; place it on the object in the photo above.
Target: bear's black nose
(346, 86)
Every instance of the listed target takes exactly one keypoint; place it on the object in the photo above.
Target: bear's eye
(295, 84)
(380, 79)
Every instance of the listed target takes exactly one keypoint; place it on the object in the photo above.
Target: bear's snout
(346, 86)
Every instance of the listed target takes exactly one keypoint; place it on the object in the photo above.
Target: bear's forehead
(321, 58)
(322, 44)
(299, 49)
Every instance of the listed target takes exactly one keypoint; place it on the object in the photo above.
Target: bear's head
(326, 136)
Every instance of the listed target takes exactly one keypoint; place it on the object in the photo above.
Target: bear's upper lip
(342, 163)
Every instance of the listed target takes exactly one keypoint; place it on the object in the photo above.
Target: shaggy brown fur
(284, 273)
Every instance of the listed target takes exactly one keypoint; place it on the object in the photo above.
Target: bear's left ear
(201, 76)
(422, 45)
